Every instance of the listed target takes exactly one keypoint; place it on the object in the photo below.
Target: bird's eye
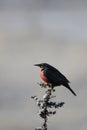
(40, 66)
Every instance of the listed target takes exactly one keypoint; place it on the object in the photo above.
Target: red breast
(42, 76)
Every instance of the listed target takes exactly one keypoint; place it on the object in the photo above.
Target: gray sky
(42, 31)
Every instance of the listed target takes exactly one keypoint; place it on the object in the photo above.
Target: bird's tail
(67, 86)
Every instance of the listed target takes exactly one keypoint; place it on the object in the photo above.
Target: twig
(44, 104)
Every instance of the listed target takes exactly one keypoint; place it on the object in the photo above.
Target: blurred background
(35, 31)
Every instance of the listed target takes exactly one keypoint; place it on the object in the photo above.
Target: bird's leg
(51, 87)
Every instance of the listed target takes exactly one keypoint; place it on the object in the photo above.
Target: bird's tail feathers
(67, 86)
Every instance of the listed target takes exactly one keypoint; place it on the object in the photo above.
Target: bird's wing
(55, 77)
(62, 76)
(58, 73)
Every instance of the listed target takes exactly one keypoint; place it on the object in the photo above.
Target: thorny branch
(44, 104)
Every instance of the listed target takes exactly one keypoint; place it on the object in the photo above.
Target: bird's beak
(37, 65)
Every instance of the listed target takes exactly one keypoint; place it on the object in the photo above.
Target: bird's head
(42, 65)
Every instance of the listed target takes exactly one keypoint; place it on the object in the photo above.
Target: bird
(53, 76)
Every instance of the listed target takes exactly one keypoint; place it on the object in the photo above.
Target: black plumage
(54, 76)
